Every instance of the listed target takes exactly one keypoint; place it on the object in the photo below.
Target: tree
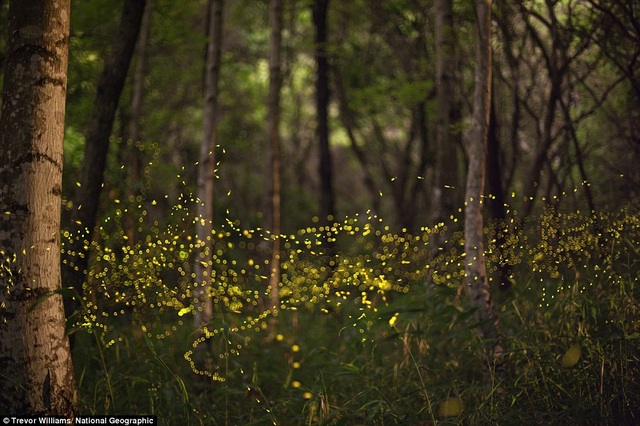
(3, 31)
(497, 201)
(327, 202)
(35, 359)
(207, 164)
(446, 155)
(133, 184)
(273, 129)
(348, 120)
(405, 29)
(615, 29)
(513, 50)
(383, 83)
(618, 35)
(475, 267)
(87, 197)
(556, 59)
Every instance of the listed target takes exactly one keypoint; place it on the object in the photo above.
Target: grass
(386, 336)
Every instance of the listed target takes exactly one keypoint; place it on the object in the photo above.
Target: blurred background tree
(564, 103)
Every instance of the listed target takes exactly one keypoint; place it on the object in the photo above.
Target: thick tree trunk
(35, 360)
(273, 130)
(475, 267)
(207, 165)
(327, 198)
(87, 197)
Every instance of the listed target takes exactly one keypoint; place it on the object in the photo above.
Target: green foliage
(381, 333)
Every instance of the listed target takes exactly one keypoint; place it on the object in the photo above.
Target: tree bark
(446, 156)
(135, 158)
(87, 197)
(327, 197)
(498, 201)
(207, 165)
(133, 129)
(3, 31)
(475, 267)
(273, 130)
(35, 359)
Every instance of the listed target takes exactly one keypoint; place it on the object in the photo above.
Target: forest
(315, 212)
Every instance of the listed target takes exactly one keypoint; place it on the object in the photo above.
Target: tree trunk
(532, 183)
(87, 197)
(134, 184)
(446, 156)
(35, 360)
(475, 267)
(497, 201)
(557, 64)
(3, 31)
(273, 129)
(327, 202)
(207, 165)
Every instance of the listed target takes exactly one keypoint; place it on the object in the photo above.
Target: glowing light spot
(393, 319)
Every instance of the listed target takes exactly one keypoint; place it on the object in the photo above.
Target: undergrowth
(379, 333)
